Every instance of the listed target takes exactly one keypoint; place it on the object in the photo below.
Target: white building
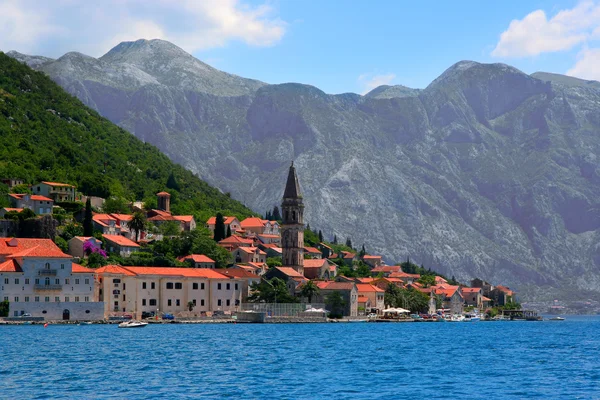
(37, 278)
(134, 290)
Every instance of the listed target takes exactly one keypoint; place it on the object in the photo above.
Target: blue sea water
(503, 360)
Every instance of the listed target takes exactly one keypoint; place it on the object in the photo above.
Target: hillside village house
(472, 296)
(248, 279)
(246, 255)
(12, 182)
(120, 245)
(230, 222)
(290, 276)
(372, 261)
(199, 261)
(38, 278)
(257, 226)
(318, 269)
(106, 224)
(348, 291)
(313, 252)
(233, 242)
(57, 191)
(5, 210)
(38, 204)
(134, 290)
(76, 245)
(373, 293)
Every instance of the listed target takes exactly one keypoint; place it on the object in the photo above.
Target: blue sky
(338, 46)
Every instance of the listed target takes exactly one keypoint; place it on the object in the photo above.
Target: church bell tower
(292, 228)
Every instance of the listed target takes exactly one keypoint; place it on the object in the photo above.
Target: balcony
(47, 272)
(48, 288)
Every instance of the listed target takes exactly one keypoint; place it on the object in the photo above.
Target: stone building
(292, 227)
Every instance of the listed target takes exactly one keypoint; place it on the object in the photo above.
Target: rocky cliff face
(487, 172)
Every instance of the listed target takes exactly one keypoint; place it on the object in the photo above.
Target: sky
(337, 46)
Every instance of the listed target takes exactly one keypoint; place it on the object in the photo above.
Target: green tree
(271, 291)
(4, 308)
(320, 237)
(348, 242)
(309, 289)
(427, 280)
(362, 252)
(190, 306)
(335, 239)
(21, 189)
(61, 243)
(276, 214)
(69, 231)
(88, 226)
(138, 223)
(228, 231)
(219, 228)
(335, 302)
(172, 182)
(117, 205)
(363, 270)
(96, 260)
(274, 262)
(170, 228)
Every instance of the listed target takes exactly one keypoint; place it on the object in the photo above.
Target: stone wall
(80, 311)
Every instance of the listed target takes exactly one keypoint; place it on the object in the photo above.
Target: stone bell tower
(292, 228)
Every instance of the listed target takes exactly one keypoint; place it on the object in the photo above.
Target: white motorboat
(132, 324)
(556, 319)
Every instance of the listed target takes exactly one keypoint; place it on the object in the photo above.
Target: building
(313, 252)
(106, 224)
(12, 182)
(120, 245)
(5, 210)
(248, 279)
(57, 191)
(373, 293)
(233, 242)
(134, 290)
(450, 296)
(318, 269)
(38, 204)
(290, 276)
(246, 255)
(76, 245)
(163, 200)
(292, 228)
(39, 279)
(372, 261)
(472, 296)
(348, 291)
(230, 222)
(199, 261)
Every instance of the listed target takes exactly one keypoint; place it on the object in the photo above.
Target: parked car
(127, 316)
(26, 315)
(168, 316)
(146, 314)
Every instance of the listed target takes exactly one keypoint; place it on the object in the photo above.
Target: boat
(556, 319)
(132, 324)
(471, 318)
(85, 323)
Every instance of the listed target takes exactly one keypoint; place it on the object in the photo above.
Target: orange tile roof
(163, 194)
(122, 217)
(251, 250)
(368, 257)
(161, 212)
(175, 271)
(199, 258)
(100, 217)
(184, 218)
(347, 254)
(291, 272)
(366, 287)
(252, 222)
(338, 286)
(39, 248)
(10, 266)
(314, 263)
(363, 299)
(121, 240)
(80, 269)
(439, 279)
(470, 290)
(268, 235)
(387, 268)
(114, 269)
(256, 265)
(365, 280)
(402, 274)
(238, 273)
(312, 250)
(9, 209)
(226, 220)
(34, 197)
(505, 290)
(236, 239)
(57, 184)
(483, 298)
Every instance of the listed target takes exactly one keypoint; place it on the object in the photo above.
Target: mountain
(488, 172)
(47, 134)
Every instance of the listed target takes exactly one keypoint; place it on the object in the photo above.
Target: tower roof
(292, 188)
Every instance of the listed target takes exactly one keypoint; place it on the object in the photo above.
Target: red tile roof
(347, 254)
(39, 248)
(161, 212)
(164, 271)
(103, 217)
(368, 257)
(163, 194)
(483, 298)
(58, 184)
(366, 287)
(252, 222)
(238, 273)
(387, 268)
(80, 269)
(227, 220)
(122, 217)
(402, 274)
(312, 250)
(236, 240)
(291, 272)
(470, 290)
(34, 197)
(184, 218)
(198, 258)
(114, 269)
(10, 266)
(363, 299)
(338, 286)
(315, 263)
(120, 240)
(9, 209)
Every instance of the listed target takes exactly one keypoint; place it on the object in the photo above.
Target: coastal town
(271, 270)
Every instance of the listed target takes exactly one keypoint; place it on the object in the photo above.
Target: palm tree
(309, 289)
(138, 223)
(190, 306)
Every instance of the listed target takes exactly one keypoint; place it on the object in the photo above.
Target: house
(501, 295)
(317, 269)
(38, 204)
(96, 202)
(272, 250)
(386, 270)
(373, 293)
(253, 226)
(440, 281)
(39, 279)
(233, 242)
(313, 252)
(248, 279)
(106, 224)
(12, 182)
(254, 268)
(57, 191)
(188, 223)
(122, 225)
(271, 228)
(230, 222)
(347, 290)
(405, 277)
(245, 255)
(76, 245)
(472, 296)
(120, 245)
(372, 261)
(267, 238)
(326, 251)
(5, 210)
(450, 296)
(290, 276)
(199, 261)
(136, 290)
(364, 305)
(348, 257)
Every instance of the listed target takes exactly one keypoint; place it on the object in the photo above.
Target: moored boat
(132, 324)
(556, 319)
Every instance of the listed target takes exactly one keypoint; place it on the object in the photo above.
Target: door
(66, 315)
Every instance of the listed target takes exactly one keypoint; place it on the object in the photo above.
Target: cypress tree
(320, 237)
(172, 182)
(228, 230)
(276, 214)
(308, 227)
(349, 243)
(362, 251)
(335, 239)
(88, 227)
(219, 228)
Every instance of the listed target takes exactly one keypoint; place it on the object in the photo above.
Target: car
(218, 313)
(146, 314)
(127, 316)
(168, 316)
(26, 315)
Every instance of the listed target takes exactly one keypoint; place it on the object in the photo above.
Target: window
(26, 299)
(169, 302)
(37, 281)
(27, 281)
(143, 302)
(143, 285)
(219, 302)
(16, 299)
(16, 313)
(76, 299)
(5, 298)
(6, 281)
(202, 302)
(124, 298)
(77, 281)
(57, 281)
(67, 281)
(218, 286)
(86, 298)
(47, 266)
(57, 299)
(169, 285)
(47, 281)
(87, 281)
(229, 286)
(152, 286)
(152, 302)
(66, 299)
(37, 299)
(178, 285)
(228, 302)
(16, 281)
(177, 302)
(47, 299)
(236, 286)
(202, 286)
(62, 266)
(194, 286)
(194, 301)
(116, 281)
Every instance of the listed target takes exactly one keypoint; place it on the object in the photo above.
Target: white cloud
(536, 34)
(369, 82)
(52, 28)
(587, 66)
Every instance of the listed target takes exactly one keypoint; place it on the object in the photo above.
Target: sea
(476, 360)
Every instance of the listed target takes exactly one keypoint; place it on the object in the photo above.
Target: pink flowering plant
(89, 247)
